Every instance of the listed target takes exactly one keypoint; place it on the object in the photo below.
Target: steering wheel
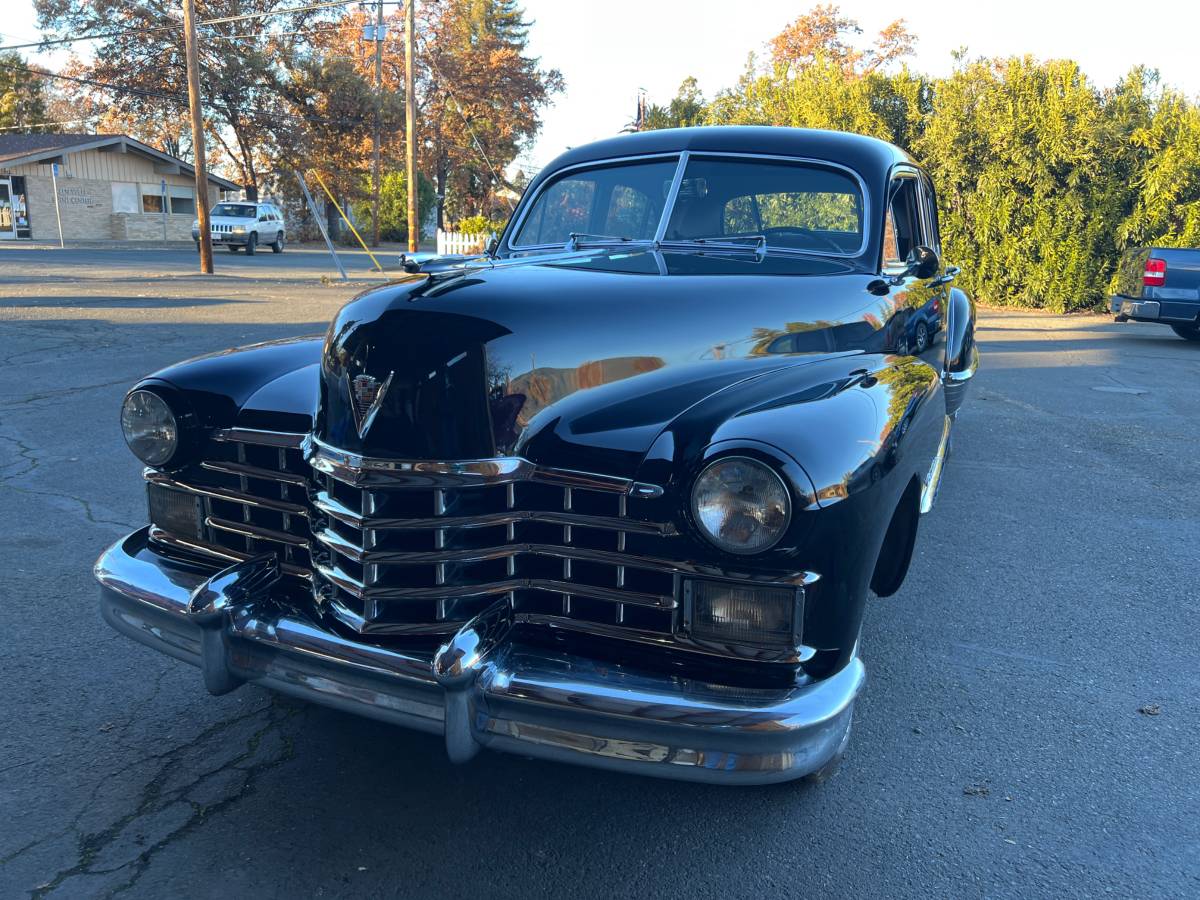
(807, 232)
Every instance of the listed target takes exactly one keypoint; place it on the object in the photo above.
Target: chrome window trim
(683, 157)
(899, 172)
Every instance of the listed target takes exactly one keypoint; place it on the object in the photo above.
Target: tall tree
(686, 109)
(142, 58)
(23, 96)
(825, 33)
(481, 96)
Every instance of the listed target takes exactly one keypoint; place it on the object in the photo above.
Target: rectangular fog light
(743, 614)
(176, 512)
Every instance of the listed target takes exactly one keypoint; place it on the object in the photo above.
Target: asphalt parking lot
(1029, 728)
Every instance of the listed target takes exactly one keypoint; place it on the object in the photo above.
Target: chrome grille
(421, 548)
(252, 490)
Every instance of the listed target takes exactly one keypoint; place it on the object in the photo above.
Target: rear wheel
(1187, 332)
(277, 246)
(251, 243)
(922, 337)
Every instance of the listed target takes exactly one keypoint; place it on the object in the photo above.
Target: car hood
(580, 362)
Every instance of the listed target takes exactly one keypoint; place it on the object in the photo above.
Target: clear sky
(608, 50)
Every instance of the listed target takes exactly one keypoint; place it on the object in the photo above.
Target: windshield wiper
(580, 239)
(751, 243)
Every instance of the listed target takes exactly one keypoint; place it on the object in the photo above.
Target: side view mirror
(492, 245)
(922, 262)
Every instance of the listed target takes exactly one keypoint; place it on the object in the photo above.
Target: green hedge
(1043, 178)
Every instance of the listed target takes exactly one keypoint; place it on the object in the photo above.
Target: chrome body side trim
(483, 688)
(933, 480)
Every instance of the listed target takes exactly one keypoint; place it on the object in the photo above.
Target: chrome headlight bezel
(773, 483)
(150, 427)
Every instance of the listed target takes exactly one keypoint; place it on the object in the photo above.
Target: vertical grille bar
(439, 543)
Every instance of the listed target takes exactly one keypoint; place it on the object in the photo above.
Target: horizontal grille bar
(356, 588)
(328, 505)
(359, 471)
(339, 544)
(282, 506)
(226, 553)
(260, 436)
(249, 530)
(233, 468)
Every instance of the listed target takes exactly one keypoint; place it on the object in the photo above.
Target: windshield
(235, 210)
(784, 205)
(621, 201)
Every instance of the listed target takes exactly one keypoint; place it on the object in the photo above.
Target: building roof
(24, 149)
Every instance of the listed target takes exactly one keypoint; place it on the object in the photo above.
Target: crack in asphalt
(159, 798)
(67, 391)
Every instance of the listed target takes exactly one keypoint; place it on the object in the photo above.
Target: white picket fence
(449, 242)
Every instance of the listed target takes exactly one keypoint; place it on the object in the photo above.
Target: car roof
(867, 155)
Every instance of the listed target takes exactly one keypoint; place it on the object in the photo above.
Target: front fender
(858, 431)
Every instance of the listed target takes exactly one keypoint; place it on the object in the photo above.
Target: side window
(929, 202)
(902, 229)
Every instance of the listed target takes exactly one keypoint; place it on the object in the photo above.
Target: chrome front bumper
(482, 689)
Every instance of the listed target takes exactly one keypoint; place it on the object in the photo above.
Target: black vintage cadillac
(613, 493)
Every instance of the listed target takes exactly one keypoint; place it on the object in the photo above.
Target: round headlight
(741, 505)
(150, 428)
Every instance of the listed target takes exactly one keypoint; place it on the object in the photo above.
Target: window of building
(152, 201)
(183, 200)
(125, 197)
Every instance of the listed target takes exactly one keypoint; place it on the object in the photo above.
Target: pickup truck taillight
(1155, 274)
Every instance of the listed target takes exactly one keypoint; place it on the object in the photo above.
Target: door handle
(947, 276)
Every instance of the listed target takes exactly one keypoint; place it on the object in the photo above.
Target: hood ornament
(366, 397)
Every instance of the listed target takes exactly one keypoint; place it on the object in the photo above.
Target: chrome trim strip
(246, 529)
(672, 195)
(339, 544)
(243, 469)
(792, 656)
(293, 509)
(353, 586)
(343, 513)
(225, 554)
(933, 479)
(361, 471)
(259, 436)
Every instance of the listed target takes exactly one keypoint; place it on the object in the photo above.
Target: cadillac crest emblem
(366, 397)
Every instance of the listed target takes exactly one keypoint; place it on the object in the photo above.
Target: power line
(154, 29)
(275, 117)
(471, 131)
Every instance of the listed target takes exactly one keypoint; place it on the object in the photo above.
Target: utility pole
(410, 123)
(193, 79)
(379, 34)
